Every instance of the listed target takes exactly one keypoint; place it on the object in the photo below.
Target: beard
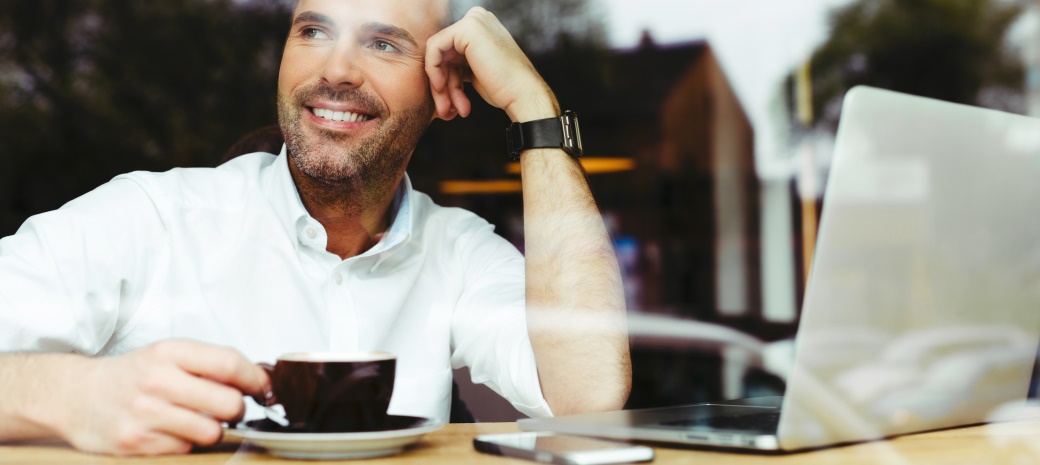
(368, 165)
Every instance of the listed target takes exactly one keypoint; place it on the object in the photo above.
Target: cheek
(411, 89)
(298, 67)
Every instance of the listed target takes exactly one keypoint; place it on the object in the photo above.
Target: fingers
(443, 64)
(456, 93)
(158, 418)
(144, 443)
(221, 364)
(142, 427)
(442, 53)
(452, 99)
(197, 394)
(161, 399)
(188, 425)
(442, 105)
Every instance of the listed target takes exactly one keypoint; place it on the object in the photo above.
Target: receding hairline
(451, 9)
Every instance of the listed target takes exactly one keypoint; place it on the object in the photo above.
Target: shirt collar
(401, 212)
(277, 184)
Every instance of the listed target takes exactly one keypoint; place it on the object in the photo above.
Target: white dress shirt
(230, 256)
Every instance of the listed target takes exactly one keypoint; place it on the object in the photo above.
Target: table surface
(1015, 443)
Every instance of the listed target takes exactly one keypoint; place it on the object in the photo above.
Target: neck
(355, 216)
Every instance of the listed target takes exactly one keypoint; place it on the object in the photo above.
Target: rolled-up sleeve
(489, 327)
(69, 278)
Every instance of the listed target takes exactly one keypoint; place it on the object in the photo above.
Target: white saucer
(329, 446)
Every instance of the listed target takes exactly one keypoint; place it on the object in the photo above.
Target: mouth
(335, 115)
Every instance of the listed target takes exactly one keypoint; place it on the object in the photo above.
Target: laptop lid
(923, 304)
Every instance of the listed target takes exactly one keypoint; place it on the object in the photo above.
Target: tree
(953, 50)
(94, 88)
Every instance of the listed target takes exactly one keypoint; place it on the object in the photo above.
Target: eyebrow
(372, 27)
(390, 30)
(312, 17)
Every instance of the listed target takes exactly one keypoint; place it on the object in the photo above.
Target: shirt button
(312, 233)
(339, 279)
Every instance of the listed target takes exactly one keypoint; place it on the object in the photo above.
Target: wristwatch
(558, 133)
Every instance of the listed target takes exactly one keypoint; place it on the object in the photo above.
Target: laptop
(922, 310)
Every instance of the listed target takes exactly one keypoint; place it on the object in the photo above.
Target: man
(123, 302)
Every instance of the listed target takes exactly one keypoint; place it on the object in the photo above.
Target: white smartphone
(561, 449)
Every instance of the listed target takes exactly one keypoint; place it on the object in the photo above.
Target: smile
(344, 116)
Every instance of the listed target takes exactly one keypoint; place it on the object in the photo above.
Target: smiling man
(156, 293)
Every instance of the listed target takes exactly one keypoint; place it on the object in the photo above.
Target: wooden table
(1016, 443)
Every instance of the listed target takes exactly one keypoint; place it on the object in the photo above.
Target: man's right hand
(161, 399)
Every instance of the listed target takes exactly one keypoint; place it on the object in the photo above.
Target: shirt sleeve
(489, 327)
(71, 277)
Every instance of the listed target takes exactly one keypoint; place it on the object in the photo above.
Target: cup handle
(269, 399)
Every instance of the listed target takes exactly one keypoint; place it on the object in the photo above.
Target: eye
(314, 33)
(383, 46)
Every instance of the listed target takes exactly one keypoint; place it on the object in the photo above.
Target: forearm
(30, 387)
(575, 300)
(575, 304)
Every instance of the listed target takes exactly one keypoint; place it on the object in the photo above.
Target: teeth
(345, 116)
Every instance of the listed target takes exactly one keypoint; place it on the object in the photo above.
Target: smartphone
(561, 449)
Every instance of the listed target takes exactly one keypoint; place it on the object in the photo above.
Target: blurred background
(708, 127)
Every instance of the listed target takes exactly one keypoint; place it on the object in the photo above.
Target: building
(670, 156)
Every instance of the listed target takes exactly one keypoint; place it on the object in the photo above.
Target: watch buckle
(514, 141)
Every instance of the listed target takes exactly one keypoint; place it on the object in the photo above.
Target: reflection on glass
(922, 307)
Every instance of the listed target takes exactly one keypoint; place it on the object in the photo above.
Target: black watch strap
(561, 133)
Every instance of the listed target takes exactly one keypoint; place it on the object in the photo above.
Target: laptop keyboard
(763, 421)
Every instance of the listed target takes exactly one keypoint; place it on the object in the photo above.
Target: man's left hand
(479, 49)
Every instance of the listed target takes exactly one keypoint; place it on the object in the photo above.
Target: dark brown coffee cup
(333, 392)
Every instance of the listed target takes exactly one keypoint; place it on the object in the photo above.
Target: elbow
(605, 397)
(589, 404)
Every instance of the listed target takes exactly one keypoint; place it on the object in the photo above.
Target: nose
(342, 68)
